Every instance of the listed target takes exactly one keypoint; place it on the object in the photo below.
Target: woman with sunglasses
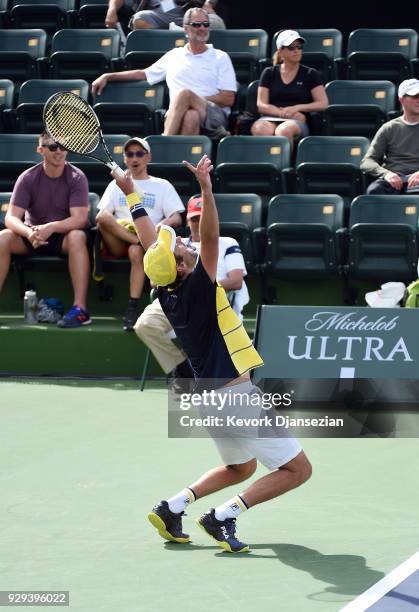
(288, 91)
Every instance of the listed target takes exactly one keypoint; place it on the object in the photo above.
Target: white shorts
(272, 452)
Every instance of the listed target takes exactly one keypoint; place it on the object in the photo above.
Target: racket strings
(72, 123)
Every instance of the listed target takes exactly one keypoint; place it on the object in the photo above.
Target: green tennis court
(82, 462)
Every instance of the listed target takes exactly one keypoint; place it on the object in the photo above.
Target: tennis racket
(74, 125)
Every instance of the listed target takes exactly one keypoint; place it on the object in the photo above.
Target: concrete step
(99, 349)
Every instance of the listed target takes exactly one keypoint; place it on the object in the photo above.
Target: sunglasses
(53, 147)
(199, 24)
(293, 47)
(131, 154)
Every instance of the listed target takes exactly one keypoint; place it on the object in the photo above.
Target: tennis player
(218, 348)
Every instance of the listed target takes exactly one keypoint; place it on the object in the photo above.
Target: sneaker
(168, 523)
(131, 316)
(75, 317)
(223, 532)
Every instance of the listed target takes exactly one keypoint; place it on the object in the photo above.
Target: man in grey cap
(393, 156)
(119, 237)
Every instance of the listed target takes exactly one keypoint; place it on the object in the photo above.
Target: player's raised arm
(143, 224)
(209, 225)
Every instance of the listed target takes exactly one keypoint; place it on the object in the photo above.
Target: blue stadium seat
(7, 90)
(240, 216)
(303, 236)
(383, 237)
(49, 15)
(83, 54)
(17, 153)
(331, 164)
(358, 108)
(134, 107)
(252, 164)
(381, 54)
(20, 51)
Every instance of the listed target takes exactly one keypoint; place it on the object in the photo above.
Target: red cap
(194, 207)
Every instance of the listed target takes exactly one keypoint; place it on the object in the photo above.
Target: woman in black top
(287, 91)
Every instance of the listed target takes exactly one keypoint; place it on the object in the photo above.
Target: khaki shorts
(215, 122)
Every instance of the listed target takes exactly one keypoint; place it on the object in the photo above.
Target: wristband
(135, 205)
(133, 199)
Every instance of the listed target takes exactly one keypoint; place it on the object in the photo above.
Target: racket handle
(115, 168)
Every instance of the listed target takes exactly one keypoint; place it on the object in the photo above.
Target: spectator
(200, 79)
(114, 6)
(47, 215)
(393, 156)
(114, 219)
(161, 14)
(287, 91)
(154, 329)
(216, 22)
(157, 14)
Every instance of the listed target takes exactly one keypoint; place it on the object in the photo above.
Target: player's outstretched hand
(202, 171)
(125, 184)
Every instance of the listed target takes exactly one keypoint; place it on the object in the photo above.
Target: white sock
(231, 509)
(178, 502)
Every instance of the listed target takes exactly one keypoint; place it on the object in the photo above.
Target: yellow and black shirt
(211, 333)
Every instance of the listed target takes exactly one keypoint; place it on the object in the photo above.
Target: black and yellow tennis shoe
(168, 523)
(223, 532)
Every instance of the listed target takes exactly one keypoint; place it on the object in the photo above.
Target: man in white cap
(119, 237)
(220, 352)
(392, 159)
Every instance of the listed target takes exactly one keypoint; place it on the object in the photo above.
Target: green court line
(81, 465)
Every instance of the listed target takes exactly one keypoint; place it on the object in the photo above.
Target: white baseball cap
(139, 141)
(410, 87)
(287, 37)
(388, 296)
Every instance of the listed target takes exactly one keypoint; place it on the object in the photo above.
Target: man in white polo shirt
(201, 81)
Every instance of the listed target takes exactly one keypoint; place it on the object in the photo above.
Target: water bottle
(30, 307)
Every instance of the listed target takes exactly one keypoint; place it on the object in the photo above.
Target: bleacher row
(360, 99)
(371, 54)
(243, 164)
(357, 108)
(305, 236)
(306, 219)
(54, 14)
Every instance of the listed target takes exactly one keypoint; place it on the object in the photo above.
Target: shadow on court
(347, 574)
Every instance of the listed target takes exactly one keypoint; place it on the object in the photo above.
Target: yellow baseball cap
(159, 260)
